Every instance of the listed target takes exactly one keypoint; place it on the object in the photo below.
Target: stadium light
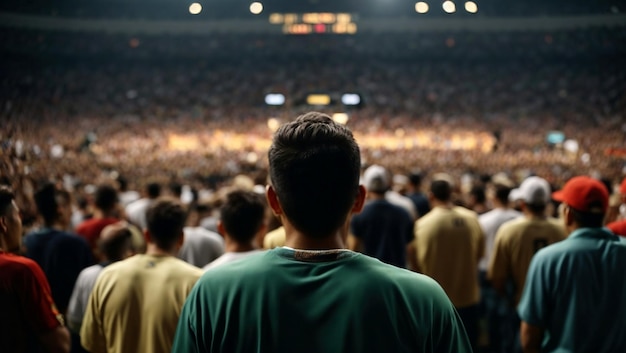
(421, 7)
(195, 8)
(351, 99)
(449, 6)
(256, 8)
(318, 99)
(274, 99)
(471, 7)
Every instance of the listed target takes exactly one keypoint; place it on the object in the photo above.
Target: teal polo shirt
(576, 292)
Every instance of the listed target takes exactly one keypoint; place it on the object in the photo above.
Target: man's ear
(568, 218)
(147, 236)
(272, 201)
(181, 239)
(220, 228)
(360, 200)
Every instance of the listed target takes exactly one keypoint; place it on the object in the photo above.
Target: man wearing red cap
(619, 227)
(574, 299)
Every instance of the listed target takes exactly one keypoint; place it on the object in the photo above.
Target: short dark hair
(441, 190)
(6, 199)
(242, 214)
(153, 190)
(587, 219)
(114, 247)
(478, 192)
(105, 197)
(536, 208)
(314, 168)
(166, 219)
(48, 198)
(502, 193)
(415, 179)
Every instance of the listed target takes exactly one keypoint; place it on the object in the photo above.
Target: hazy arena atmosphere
(313, 176)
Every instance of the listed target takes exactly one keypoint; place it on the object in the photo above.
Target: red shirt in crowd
(91, 228)
(26, 304)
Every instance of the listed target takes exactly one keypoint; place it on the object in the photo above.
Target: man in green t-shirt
(313, 295)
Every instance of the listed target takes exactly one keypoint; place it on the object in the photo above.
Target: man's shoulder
(17, 264)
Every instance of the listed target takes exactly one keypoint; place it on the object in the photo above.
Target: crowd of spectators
(77, 106)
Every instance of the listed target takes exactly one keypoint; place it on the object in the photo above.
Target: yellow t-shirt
(515, 244)
(449, 243)
(135, 304)
(275, 238)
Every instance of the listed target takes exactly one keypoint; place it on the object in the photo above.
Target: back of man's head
(502, 193)
(441, 190)
(153, 190)
(115, 241)
(314, 170)
(242, 215)
(166, 219)
(48, 198)
(105, 197)
(415, 179)
(587, 199)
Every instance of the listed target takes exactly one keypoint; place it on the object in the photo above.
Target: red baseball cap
(584, 194)
(622, 188)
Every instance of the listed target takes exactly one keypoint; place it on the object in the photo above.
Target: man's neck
(298, 240)
(231, 245)
(154, 250)
(443, 204)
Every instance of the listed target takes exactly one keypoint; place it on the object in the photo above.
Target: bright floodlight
(351, 99)
(256, 8)
(274, 99)
(421, 7)
(471, 7)
(341, 118)
(449, 7)
(195, 8)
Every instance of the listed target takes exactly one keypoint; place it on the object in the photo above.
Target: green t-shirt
(288, 300)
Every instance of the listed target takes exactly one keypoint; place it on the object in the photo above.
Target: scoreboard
(315, 23)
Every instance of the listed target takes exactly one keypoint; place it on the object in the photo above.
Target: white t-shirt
(229, 257)
(490, 222)
(201, 246)
(80, 295)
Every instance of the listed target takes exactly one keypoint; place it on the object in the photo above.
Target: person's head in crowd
(585, 202)
(106, 200)
(501, 194)
(175, 189)
(376, 181)
(415, 182)
(115, 242)
(314, 166)
(10, 221)
(242, 217)
(54, 205)
(533, 195)
(153, 190)
(441, 188)
(400, 184)
(165, 218)
(122, 183)
(478, 198)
